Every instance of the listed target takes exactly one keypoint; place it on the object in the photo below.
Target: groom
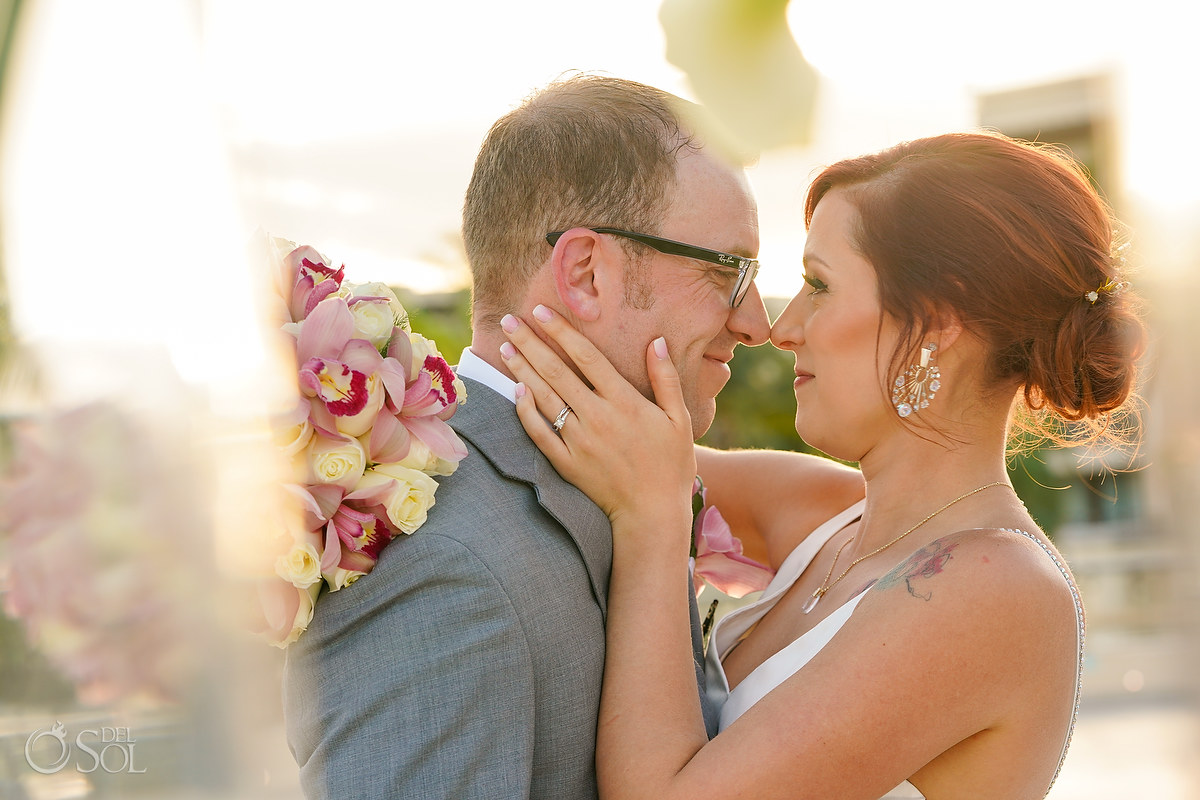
(468, 664)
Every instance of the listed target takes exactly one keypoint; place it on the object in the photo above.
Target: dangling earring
(916, 387)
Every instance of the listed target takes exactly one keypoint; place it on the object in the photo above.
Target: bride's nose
(788, 331)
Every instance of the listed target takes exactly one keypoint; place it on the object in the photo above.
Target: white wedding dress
(779, 667)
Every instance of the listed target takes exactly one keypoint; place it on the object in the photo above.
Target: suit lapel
(490, 423)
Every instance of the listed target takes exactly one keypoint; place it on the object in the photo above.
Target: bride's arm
(772, 499)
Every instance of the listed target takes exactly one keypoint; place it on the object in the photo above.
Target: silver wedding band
(561, 419)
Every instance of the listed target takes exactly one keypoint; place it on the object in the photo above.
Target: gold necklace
(825, 586)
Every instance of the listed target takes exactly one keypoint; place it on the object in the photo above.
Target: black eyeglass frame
(747, 267)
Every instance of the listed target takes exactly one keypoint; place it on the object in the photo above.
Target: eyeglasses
(747, 267)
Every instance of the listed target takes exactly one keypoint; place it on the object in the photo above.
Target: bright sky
(146, 139)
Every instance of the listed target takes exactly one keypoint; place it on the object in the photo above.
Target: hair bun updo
(1088, 369)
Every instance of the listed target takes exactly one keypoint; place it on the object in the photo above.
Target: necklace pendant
(811, 602)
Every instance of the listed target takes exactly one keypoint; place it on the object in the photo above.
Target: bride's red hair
(1009, 237)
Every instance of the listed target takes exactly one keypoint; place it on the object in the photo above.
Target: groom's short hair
(585, 151)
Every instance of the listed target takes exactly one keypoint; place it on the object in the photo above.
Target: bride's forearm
(650, 722)
(772, 499)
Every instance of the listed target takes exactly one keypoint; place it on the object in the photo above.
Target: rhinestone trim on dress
(1080, 633)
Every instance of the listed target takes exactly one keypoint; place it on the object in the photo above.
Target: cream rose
(421, 458)
(374, 319)
(336, 461)
(379, 289)
(307, 598)
(292, 438)
(340, 578)
(406, 494)
(300, 566)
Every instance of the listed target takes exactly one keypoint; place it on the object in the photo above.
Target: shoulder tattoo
(921, 566)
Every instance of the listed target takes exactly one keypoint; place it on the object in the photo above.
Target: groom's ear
(582, 272)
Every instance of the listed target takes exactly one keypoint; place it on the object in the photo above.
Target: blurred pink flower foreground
(103, 532)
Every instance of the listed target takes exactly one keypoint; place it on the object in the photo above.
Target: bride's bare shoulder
(1013, 580)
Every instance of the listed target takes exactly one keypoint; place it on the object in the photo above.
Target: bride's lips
(802, 378)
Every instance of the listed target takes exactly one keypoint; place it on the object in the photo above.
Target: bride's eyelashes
(818, 286)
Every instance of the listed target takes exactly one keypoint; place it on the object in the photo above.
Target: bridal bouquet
(717, 553)
(366, 435)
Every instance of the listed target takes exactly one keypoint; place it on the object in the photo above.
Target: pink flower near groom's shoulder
(719, 559)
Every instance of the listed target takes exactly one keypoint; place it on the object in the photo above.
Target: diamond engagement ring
(561, 419)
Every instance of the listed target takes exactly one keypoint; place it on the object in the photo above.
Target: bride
(926, 640)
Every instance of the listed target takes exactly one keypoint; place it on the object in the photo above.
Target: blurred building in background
(1123, 525)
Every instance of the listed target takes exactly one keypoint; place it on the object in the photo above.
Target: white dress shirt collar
(473, 367)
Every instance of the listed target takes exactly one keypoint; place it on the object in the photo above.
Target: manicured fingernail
(660, 347)
(519, 390)
(542, 313)
(507, 350)
(509, 323)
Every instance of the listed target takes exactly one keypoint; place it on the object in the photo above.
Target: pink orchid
(343, 397)
(341, 389)
(439, 437)
(361, 532)
(430, 394)
(400, 349)
(719, 559)
(433, 391)
(346, 378)
(309, 280)
(326, 330)
(354, 538)
(317, 502)
(390, 439)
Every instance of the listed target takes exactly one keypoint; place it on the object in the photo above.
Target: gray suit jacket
(468, 664)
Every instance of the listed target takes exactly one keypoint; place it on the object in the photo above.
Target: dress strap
(1080, 635)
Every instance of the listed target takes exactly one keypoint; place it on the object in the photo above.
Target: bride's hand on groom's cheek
(625, 452)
